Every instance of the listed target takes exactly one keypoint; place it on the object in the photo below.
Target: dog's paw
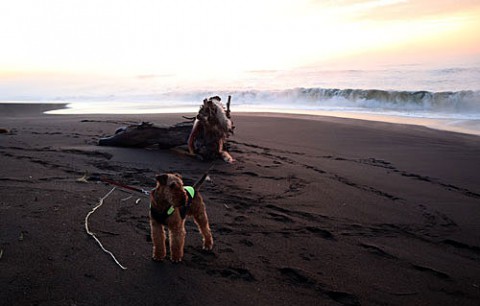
(176, 260)
(207, 245)
(227, 157)
(158, 259)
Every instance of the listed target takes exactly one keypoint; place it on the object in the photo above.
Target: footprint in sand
(280, 218)
(300, 278)
(233, 273)
(246, 242)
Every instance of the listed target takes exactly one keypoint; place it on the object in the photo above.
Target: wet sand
(315, 211)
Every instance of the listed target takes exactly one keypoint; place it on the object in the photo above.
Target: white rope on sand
(100, 203)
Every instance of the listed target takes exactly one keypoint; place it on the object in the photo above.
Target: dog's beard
(183, 201)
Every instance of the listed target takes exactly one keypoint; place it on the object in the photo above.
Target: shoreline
(470, 127)
(463, 126)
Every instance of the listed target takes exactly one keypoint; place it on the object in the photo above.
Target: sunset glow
(189, 38)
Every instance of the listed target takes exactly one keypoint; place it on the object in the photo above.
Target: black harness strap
(162, 216)
(184, 208)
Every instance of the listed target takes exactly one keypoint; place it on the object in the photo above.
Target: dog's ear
(162, 179)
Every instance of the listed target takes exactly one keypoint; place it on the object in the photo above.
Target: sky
(201, 39)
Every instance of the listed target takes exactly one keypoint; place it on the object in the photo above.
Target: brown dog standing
(170, 203)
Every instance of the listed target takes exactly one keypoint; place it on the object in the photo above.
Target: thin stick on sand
(100, 203)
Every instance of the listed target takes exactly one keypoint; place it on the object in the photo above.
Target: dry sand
(316, 211)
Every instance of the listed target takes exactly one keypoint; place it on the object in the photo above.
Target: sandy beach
(315, 211)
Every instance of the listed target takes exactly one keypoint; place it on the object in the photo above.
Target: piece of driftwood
(146, 134)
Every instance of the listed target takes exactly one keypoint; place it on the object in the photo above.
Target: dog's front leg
(158, 239)
(177, 241)
(224, 154)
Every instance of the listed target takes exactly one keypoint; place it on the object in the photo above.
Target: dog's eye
(172, 185)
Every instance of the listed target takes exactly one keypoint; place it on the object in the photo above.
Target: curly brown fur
(213, 115)
(210, 131)
(169, 192)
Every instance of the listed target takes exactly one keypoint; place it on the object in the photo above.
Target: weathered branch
(146, 134)
(228, 107)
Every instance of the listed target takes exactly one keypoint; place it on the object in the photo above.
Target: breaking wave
(379, 100)
(448, 104)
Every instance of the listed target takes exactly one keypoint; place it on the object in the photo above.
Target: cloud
(395, 10)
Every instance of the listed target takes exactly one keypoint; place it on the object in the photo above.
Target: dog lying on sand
(210, 130)
(170, 203)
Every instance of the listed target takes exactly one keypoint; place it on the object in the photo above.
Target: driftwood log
(146, 134)
(205, 135)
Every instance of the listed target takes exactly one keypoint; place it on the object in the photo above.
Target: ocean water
(449, 96)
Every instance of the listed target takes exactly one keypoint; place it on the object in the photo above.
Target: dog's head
(169, 189)
(213, 116)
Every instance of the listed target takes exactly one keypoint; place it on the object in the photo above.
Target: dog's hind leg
(201, 219)
(158, 240)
